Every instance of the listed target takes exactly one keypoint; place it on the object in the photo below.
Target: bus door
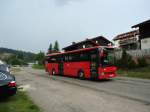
(60, 66)
(93, 65)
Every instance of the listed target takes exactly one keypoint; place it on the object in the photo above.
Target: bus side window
(61, 59)
(74, 57)
(77, 57)
(53, 59)
(66, 58)
(93, 56)
(84, 56)
(49, 60)
(70, 58)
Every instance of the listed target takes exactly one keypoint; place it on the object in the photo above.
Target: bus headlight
(102, 73)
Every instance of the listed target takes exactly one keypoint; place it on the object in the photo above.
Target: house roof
(126, 35)
(87, 40)
(141, 24)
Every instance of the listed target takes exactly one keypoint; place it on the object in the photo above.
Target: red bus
(88, 63)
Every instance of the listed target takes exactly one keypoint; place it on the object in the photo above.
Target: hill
(5, 53)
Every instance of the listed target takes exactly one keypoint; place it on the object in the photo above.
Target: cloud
(65, 2)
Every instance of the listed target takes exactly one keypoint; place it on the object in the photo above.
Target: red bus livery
(87, 63)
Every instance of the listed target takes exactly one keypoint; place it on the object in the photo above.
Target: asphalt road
(63, 94)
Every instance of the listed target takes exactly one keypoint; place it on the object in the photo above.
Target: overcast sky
(31, 25)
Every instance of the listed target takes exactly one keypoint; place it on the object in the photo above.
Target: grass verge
(18, 103)
(143, 72)
(36, 66)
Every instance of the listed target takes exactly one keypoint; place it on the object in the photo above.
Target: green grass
(36, 66)
(18, 103)
(143, 72)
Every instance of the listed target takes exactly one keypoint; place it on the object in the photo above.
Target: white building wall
(145, 43)
(116, 43)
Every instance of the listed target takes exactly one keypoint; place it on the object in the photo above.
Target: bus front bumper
(107, 76)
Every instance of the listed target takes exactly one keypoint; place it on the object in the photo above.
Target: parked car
(7, 82)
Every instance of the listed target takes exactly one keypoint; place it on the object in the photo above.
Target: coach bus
(87, 63)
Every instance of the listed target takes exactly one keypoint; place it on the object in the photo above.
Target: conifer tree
(50, 49)
(56, 46)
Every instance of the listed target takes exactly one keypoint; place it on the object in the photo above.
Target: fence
(134, 53)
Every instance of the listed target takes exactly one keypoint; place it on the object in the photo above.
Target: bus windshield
(106, 58)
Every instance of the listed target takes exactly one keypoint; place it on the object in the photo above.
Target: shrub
(126, 61)
(142, 62)
(131, 64)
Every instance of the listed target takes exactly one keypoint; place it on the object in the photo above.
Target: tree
(20, 55)
(127, 61)
(50, 49)
(56, 47)
(15, 61)
(40, 57)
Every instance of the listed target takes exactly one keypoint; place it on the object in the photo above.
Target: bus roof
(79, 50)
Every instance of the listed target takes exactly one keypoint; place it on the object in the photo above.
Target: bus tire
(81, 75)
(53, 72)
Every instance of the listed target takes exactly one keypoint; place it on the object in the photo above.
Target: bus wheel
(53, 72)
(81, 75)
